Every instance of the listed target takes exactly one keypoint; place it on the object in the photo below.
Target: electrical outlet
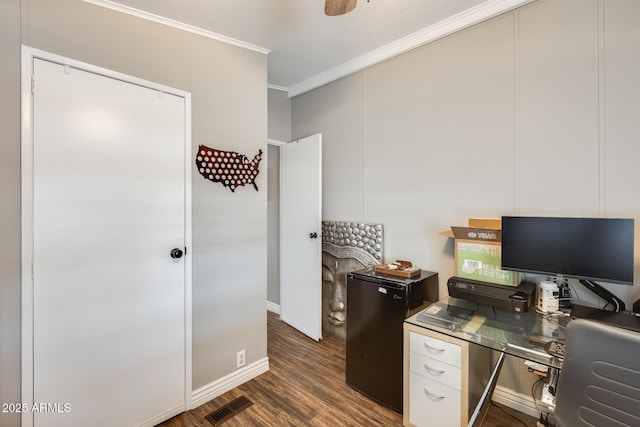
(240, 359)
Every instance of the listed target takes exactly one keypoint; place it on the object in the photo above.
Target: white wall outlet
(240, 359)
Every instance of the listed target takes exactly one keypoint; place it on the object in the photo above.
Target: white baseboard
(273, 307)
(231, 381)
(163, 417)
(518, 401)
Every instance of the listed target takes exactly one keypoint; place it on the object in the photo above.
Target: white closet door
(109, 206)
(300, 221)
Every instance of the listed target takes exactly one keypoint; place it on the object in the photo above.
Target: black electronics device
(515, 298)
(588, 249)
(582, 248)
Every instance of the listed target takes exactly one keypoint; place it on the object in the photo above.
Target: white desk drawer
(436, 349)
(432, 403)
(435, 370)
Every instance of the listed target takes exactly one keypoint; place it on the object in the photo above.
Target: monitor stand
(616, 303)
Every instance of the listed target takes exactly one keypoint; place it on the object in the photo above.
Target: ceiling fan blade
(338, 7)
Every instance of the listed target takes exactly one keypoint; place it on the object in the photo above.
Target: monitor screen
(584, 248)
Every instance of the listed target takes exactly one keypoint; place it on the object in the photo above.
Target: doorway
(273, 226)
(294, 230)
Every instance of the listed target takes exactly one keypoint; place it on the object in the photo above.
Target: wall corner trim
(276, 142)
(229, 382)
(273, 307)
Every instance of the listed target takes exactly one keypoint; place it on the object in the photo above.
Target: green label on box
(479, 261)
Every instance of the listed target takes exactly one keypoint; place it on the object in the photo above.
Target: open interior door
(300, 235)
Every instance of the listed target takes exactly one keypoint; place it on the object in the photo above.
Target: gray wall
(229, 111)
(533, 112)
(10, 208)
(279, 112)
(279, 123)
(273, 227)
(529, 113)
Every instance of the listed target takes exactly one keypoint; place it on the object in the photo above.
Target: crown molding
(108, 4)
(274, 87)
(468, 18)
(465, 19)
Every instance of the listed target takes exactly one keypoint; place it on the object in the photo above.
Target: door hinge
(33, 270)
(33, 85)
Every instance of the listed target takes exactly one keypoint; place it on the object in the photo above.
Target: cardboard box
(478, 252)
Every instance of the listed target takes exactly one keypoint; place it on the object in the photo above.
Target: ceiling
(305, 47)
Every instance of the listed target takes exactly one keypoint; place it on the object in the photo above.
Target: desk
(469, 342)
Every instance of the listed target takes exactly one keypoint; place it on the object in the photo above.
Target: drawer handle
(434, 395)
(429, 347)
(437, 371)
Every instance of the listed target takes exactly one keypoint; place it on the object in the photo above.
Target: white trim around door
(27, 188)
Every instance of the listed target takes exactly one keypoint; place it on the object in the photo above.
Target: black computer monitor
(589, 249)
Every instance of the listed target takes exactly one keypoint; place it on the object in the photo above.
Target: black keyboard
(555, 348)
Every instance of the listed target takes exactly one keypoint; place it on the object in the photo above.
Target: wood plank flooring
(305, 386)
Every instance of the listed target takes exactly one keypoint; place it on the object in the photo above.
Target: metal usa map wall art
(229, 168)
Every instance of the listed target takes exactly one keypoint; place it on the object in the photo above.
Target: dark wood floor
(305, 386)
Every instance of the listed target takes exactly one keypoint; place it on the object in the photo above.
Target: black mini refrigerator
(377, 305)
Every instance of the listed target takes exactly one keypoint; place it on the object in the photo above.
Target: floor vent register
(229, 410)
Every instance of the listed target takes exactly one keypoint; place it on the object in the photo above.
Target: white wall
(229, 111)
(533, 112)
